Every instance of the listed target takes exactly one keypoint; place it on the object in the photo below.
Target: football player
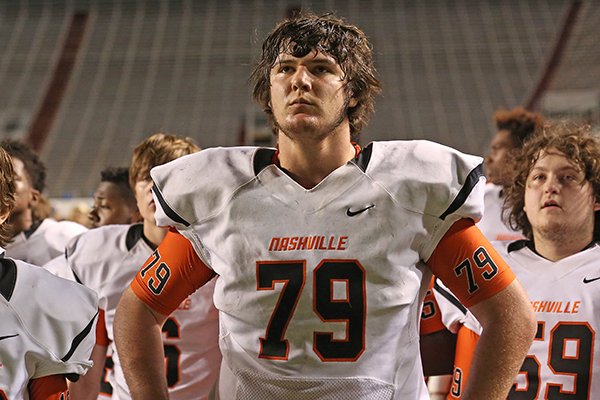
(554, 202)
(48, 323)
(35, 239)
(513, 128)
(107, 258)
(323, 249)
(114, 201)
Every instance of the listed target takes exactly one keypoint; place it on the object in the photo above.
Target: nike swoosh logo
(586, 280)
(351, 213)
(9, 336)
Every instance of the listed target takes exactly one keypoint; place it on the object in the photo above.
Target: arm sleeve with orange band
(170, 275)
(468, 264)
(53, 387)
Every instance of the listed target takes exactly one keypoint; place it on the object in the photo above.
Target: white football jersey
(47, 327)
(106, 259)
(492, 224)
(564, 359)
(320, 290)
(46, 242)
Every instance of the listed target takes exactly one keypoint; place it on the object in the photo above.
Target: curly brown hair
(519, 122)
(576, 141)
(346, 43)
(7, 189)
(158, 149)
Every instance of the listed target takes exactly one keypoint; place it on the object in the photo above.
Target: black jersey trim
(32, 229)
(449, 296)
(168, 210)
(263, 157)
(79, 338)
(363, 158)
(464, 192)
(518, 245)
(134, 234)
(8, 277)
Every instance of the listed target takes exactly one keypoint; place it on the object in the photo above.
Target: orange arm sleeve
(468, 264)
(170, 275)
(431, 317)
(53, 387)
(101, 333)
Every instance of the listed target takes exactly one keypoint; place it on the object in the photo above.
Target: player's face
(308, 94)
(110, 207)
(144, 199)
(495, 161)
(25, 194)
(559, 202)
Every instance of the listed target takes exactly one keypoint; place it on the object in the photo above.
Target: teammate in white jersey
(114, 201)
(513, 128)
(47, 324)
(107, 258)
(554, 201)
(323, 250)
(34, 240)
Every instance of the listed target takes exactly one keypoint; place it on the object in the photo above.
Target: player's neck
(20, 222)
(557, 248)
(309, 161)
(153, 233)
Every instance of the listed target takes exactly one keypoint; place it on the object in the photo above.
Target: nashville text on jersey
(290, 243)
(558, 307)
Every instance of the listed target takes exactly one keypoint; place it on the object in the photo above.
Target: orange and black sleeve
(172, 273)
(468, 264)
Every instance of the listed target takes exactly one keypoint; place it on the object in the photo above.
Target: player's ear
(4, 216)
(35, 197)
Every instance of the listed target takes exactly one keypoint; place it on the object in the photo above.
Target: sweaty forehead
(314, 55)
(556, 159)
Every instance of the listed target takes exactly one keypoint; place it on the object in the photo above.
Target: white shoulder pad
(87, 252)
(430, 178)
(58, 233)
(197, 186)
(59, 314)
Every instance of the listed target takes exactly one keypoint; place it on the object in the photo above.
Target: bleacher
(181, 66)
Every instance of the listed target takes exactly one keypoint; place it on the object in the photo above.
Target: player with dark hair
(47, 323)
(114, 201)
(323, 249)
(513, 128)
(34, 239)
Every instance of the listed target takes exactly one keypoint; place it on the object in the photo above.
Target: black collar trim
(263, 157)
(8, 277)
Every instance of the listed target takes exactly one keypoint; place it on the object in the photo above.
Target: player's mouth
(551, 204)
(300, 101)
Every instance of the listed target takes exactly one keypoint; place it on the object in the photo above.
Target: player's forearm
(508, 330)
(139, 345)
(88, 385)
